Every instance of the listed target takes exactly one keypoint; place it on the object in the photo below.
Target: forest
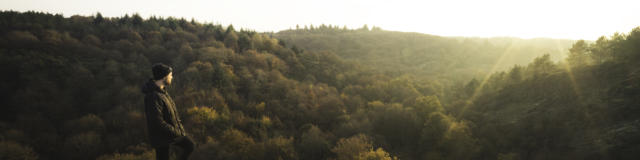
(71, 89)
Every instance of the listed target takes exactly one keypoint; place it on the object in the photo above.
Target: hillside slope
(445, 58)
(72, 85)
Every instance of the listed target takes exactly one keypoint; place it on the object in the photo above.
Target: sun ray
(478, 89)
(567, 68)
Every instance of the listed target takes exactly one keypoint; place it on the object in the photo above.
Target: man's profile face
(168, 79)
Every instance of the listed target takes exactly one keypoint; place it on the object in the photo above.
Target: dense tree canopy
(425, 56)
(71, 90)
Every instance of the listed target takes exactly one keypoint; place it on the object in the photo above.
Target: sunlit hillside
(424, 55)
(71, 89)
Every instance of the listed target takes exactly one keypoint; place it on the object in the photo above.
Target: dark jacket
(163, 122)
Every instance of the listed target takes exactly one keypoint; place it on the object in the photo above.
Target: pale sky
(570, 19)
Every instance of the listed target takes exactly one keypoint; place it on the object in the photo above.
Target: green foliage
(378, 154)
(202, 115)
(86, 123)
(279, 148)
(559, 110)
(313, 144)
(237, 145)
(359, 147)
(206, 120)
(84, 145)
(579, 54)
(129, 156)
(10, 150)
(352, 147)
(428, 57)
(333, 93)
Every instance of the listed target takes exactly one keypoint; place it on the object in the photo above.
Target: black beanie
(160, 71)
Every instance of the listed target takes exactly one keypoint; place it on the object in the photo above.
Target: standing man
(163, 122)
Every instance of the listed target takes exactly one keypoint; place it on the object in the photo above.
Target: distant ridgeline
(71, 90)
(422, 54)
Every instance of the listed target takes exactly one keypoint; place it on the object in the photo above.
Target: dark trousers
(185, 144)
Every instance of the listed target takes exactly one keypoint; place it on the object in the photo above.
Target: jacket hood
(150, 86)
